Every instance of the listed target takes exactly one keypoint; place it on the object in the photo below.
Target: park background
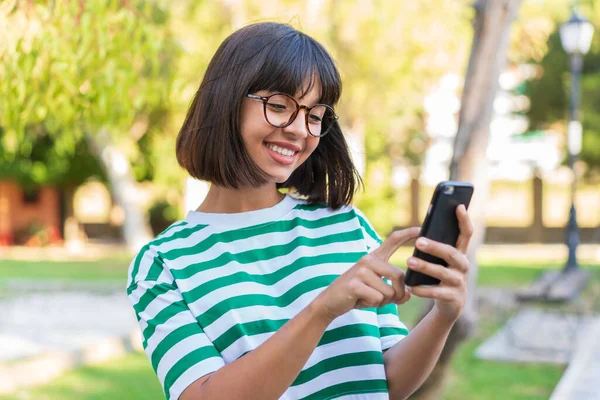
(93, 94)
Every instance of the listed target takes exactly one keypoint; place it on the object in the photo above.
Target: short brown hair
(273, 57)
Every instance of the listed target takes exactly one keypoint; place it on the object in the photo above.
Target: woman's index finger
(394, 241)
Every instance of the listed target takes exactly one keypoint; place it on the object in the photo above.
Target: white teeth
(281, 150)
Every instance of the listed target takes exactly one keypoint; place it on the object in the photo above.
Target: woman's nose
(298, 125)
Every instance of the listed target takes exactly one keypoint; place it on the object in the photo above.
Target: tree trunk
(415, 200)
(72, 233)
(6, 229)
(538, 208)
(469, 162)
(136, 229)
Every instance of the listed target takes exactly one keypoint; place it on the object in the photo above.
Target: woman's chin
(276, 175)
(280, 178)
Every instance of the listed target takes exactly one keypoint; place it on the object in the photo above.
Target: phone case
(441, 225)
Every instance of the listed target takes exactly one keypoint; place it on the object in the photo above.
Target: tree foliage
(391, 54)
(70, 68)
(550, 91)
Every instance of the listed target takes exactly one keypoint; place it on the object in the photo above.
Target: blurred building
(515, 154)
(49, 215)
(29, 216)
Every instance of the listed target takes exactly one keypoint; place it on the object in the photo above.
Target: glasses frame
(265, 99)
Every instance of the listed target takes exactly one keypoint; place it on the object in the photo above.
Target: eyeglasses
(281, 110)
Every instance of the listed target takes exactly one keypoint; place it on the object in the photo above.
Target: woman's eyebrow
(298, 99)
(309, 104)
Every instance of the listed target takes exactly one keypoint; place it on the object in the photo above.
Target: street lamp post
(576, 37)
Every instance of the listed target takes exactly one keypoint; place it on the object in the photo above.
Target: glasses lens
(320, 120)
(279, 109)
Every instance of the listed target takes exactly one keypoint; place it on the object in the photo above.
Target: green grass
(472, 378)
(104, 269)
(130, 377)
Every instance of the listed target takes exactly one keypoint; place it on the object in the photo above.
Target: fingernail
(411, 262)
(422, 242)
(408, 289)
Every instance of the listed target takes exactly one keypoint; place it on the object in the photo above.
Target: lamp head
(576, 35)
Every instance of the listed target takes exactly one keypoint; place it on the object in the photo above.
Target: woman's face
(278, 151)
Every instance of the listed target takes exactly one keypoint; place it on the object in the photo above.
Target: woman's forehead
(311, 91)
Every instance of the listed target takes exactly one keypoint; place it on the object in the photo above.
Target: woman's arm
(409, 362)
(269, 370)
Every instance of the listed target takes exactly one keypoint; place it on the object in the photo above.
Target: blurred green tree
(549, 94)
(391, 55)
(81, 78)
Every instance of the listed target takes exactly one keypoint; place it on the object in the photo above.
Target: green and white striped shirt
(214, 287)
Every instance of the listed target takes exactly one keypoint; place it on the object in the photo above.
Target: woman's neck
(227, 201)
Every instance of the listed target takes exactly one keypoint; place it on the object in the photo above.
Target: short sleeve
(391, 329)
(178, 349)
(372, 239)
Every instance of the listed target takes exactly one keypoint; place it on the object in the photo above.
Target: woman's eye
(276, 107)
(314, 119)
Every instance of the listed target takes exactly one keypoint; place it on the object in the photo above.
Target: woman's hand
(450, 295)
(362, 285)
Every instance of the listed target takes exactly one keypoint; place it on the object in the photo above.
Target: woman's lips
(280, 158)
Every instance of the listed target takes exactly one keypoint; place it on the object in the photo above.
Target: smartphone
(441, 225)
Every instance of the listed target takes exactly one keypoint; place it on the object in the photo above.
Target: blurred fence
(532, 211)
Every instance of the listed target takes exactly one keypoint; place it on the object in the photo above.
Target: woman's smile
(283, 153)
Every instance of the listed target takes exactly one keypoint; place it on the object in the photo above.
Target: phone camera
(448, 190)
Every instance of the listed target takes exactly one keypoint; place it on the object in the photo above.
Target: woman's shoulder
(177, 235)
(155, 256)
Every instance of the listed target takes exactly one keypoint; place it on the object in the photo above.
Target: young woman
(261, 295)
